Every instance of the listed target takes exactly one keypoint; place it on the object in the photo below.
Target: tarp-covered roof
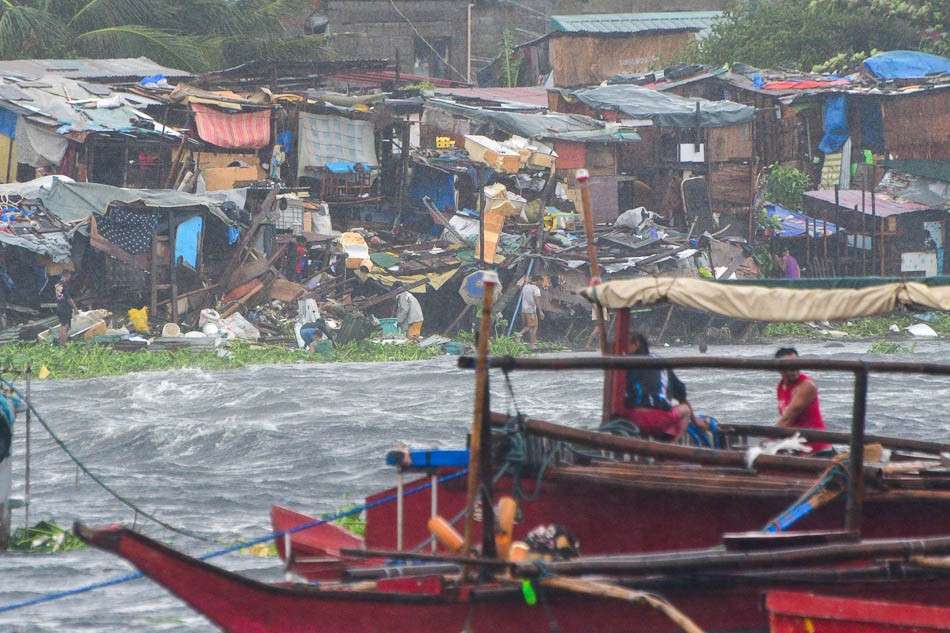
(795, 224)
(931, 169)
(906, 65)
(625, 23)
(765, 300)
(554, 126)
(76, 201)
(664, 109)
(130, 67)
(52, 245)
(75, 106)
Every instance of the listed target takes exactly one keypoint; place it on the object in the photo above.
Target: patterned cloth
(132, 231)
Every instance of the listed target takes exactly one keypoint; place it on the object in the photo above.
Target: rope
(135, 508)
(50, 597)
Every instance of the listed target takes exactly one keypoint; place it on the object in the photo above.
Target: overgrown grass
(83, 360)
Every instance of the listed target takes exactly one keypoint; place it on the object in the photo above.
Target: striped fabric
(241, 130)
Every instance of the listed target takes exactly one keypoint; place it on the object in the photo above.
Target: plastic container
(454, 348)
(390, 326)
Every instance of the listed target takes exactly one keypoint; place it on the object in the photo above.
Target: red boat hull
(316, 550)
(807, 613)
(242, 605)
(609, 518)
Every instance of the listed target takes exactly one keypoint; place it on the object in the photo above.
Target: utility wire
(95, 477)
(426, 42)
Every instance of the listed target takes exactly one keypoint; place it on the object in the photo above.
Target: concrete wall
(372, 29)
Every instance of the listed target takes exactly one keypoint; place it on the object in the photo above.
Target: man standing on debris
(409, 313)
(65, 306)
(530, 311)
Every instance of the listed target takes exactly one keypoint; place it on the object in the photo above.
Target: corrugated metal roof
(634, 22)
(536, 96)
(131, 67)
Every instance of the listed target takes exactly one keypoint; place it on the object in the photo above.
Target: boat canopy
(778, 299)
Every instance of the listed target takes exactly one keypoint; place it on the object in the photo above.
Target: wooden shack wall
(918, 126)
(579, 60)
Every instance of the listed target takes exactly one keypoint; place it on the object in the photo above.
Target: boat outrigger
(714, 578)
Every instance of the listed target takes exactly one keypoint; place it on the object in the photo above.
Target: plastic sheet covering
(664, 109)
(553, 126)
(836, 124)
(325, 139)
(906, 65)
(75, 201)
(765, 300)
(793, 224)
(38, 146)
(187, 241)
(52, 245)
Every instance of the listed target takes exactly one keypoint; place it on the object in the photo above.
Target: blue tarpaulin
(836, 124)
(187, 239)
(906, 65)
(793, 224)
(438, 185)
(7, 123)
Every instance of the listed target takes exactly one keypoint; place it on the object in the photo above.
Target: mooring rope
(58, 595)
(130, 504)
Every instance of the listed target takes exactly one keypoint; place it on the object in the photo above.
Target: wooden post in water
(480, 429)
(582, 177)
(855, 504)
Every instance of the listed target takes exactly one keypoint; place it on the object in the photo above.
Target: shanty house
(56, 118)
(694, 162)
(581, 50)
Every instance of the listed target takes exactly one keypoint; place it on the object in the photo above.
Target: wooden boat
(715, 591)
(626, 498)
(316, 552)
(795, 612)
(719, 590)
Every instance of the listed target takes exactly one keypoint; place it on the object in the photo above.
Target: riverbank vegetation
(82, 360)
(872, 327)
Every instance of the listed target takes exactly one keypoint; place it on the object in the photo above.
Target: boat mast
(479, 461)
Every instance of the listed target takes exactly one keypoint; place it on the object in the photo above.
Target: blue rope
(50, 597)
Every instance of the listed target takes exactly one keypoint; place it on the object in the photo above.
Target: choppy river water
(211, 452)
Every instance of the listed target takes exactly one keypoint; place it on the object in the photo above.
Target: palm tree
(192, 34)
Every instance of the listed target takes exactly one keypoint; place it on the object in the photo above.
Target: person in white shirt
(530, 311)
(409, 314)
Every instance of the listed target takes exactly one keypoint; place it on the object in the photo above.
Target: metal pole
(399, 509)
(26, 491)
(855, 504)
(435, 504)
(838, 237)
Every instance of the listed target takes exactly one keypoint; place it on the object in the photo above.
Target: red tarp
(239, 130)
(805, 84)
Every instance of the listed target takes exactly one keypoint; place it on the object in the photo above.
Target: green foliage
(195, 35)
(805, 34)
(44, 538)
(890, 347)
(788, 330)
(786, 186)
(81, 360)
(510, 65)
(354, 523)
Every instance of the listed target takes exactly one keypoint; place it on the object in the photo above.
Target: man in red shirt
(798, 404)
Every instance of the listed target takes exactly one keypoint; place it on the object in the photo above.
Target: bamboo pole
(602, 589)
(675, 452)
(490, 279)
(27, 474)
(705, 362)
(855, 505)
